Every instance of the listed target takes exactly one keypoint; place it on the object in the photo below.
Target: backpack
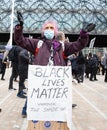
(11, 55)
(40, 43)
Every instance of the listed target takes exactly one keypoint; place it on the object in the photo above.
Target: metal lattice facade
(70, 14)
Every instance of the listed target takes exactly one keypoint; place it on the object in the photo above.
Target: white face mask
(49, 34)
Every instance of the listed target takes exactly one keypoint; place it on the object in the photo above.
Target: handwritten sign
(49, 92)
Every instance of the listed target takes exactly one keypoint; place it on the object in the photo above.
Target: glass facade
(70, 14)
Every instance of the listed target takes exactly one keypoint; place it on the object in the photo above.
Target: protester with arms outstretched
(50, 53)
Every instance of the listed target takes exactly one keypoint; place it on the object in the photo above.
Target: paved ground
(10, 117)
(90, 114)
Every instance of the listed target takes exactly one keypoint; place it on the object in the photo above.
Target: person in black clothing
(93, 62)
(73, 60)
(81, 67)
(3, 65)
(3, 68)
(13, 57)
(105, 66)
(87, 66)
(23, 71)
(102, 65)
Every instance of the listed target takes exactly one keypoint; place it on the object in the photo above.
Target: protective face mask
(49, 34)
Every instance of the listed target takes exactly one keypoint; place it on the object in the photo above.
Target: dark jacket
(13, 54)
(93, 62)
(23, 62)
(44, 52)
(80, 58)
(23, 58)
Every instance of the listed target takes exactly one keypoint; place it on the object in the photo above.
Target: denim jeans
(24, 108)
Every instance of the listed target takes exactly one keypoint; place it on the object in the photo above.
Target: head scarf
(54, 24)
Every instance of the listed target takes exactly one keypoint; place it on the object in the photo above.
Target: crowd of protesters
(83, 65)
(88, 66)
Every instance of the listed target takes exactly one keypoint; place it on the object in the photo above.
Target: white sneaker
(75, 81)
(82, 83)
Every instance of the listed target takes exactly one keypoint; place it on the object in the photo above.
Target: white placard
(92, 42)
(49, 93)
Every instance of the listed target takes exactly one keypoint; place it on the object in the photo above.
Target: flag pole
(11, 28)
(11, 31)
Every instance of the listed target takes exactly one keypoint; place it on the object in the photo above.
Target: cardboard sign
(47, 125)
(49, 93)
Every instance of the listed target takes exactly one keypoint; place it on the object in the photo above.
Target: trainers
(21, 95)
(12, 89)
(16, 80)
(23, 92)
(74, 105)
(2, 79)
(75, 81)
(24, 115)
(82, 83)
(96, 79)
(91, 80)
(24, 88)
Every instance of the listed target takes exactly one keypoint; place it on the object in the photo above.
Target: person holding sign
(48, 51)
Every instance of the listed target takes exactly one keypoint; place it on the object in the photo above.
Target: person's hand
(88, 27)
(20, 18)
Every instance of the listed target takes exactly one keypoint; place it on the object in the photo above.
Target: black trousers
(21, 82)
(105, 75)
(14, 74)
(93, 73)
